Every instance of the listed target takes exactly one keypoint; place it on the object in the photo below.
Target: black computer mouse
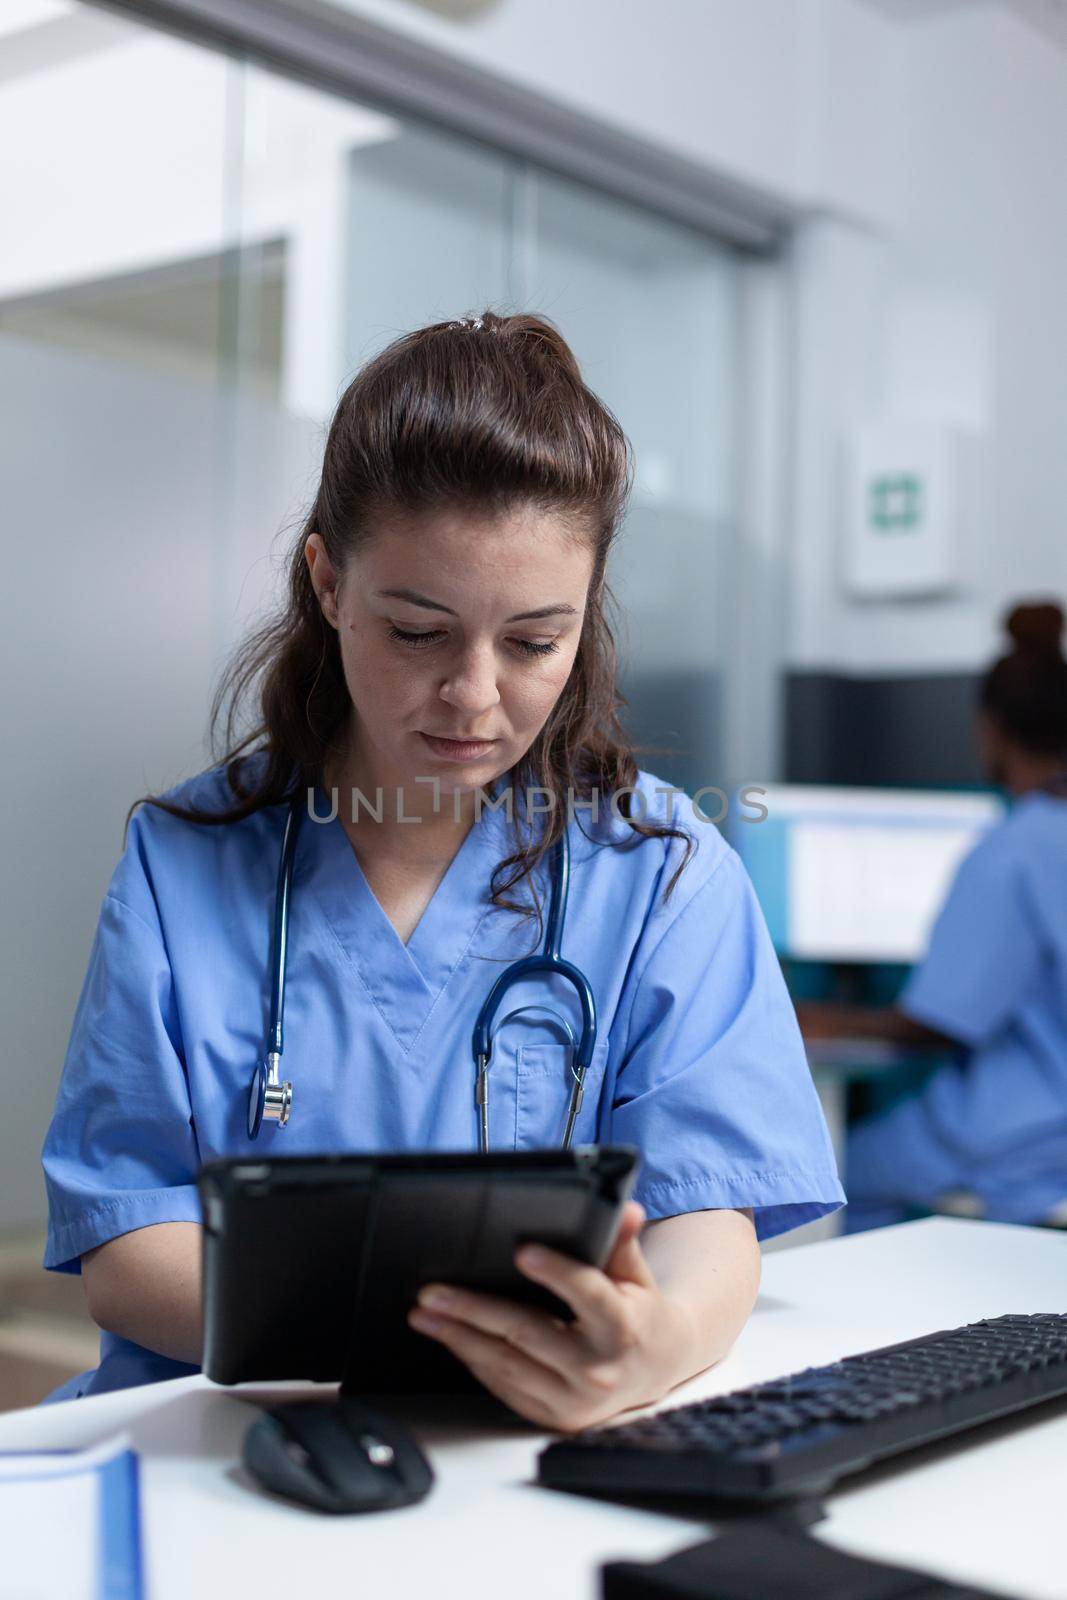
(336, 1455)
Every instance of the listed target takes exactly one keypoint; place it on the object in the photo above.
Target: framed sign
(901, 510)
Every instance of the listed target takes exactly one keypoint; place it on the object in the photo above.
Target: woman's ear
(323, 577)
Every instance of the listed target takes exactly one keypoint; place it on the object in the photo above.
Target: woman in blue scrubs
(444, 641)
(988, 1133)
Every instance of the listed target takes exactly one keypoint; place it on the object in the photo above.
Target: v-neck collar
(403, 981)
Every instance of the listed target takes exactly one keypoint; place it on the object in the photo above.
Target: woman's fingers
(591, 1295)
(543, 1368)
(525, 1327)
(597, 1297)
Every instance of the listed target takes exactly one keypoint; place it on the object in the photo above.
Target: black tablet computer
(311, 1263)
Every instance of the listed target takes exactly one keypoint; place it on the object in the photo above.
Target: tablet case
(311, 1263)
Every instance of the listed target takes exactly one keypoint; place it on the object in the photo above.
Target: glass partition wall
(198, 254)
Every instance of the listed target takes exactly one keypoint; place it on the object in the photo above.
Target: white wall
(954, 313)
(987, 128)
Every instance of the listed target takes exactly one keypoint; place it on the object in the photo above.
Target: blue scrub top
(993, 1122)
(699, 1061)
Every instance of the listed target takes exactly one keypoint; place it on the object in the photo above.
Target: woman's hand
(628, 1344)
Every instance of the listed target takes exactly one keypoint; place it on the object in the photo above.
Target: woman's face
(454, 625)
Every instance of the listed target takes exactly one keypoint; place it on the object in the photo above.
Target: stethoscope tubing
(271, 1098)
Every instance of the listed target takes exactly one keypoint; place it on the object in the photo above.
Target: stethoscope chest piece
(268, 1097)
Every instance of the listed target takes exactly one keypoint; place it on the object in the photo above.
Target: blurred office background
(766, 229)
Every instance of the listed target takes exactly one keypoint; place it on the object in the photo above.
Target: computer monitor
(857, 874)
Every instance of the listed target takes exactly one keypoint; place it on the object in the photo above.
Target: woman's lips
(458, 749)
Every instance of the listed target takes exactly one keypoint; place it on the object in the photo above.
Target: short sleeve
(121, 1152)
(985, 949)
(714, 1086)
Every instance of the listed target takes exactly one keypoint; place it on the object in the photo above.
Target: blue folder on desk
(70, 1522)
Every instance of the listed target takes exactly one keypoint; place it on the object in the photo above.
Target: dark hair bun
(1036, 629)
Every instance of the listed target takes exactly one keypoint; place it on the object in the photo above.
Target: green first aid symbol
(895, 502)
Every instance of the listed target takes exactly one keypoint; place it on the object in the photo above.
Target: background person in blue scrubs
(444, 638)
(988, 1131)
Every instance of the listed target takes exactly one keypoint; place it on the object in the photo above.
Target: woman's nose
(472, 686)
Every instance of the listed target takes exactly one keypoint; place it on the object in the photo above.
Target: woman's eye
(529, 647)
(414, 639)
(537, 647)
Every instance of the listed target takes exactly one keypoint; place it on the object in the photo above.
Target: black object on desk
(800, 1433)
(338, 1455)
(312, 1263)
(763, 1562)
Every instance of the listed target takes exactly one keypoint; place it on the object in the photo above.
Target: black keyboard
(796, 1435)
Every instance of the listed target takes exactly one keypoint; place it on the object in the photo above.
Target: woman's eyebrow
(435, 605)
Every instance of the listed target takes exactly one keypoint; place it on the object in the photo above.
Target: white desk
(990, 1512)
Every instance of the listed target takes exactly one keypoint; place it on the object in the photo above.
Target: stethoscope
(271, 1098)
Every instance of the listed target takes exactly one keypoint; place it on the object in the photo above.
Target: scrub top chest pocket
(542, 1087)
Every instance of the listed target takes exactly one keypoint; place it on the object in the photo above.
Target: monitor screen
(858, 874)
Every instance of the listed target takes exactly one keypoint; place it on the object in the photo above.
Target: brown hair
(488, 412)
(1025, 692)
